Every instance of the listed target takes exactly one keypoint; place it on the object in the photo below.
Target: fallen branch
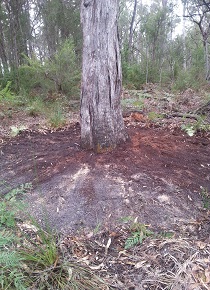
(181, 115)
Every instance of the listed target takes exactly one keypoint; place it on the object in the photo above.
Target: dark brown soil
(156, 176)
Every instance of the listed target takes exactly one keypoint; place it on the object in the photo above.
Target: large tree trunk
(102, 126)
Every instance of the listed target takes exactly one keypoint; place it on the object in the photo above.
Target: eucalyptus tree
(3, 44)
(198, 11)
(102, 126)
(18, 30)
(60, 20)
(158, 23)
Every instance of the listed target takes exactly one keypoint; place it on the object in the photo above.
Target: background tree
(102, 126)
(199, 13)
(46, 34)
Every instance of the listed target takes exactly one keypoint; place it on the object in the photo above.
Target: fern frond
(135, 239)
(138, 237)
(6, 238)
(9, 259)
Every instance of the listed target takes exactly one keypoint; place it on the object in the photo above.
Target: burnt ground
(156, 176)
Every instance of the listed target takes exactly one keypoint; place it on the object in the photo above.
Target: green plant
(126, 219)
(205, 197)
(63, 69)
(133, 75)
(6, 93)
(9, 205)
(50, 270)
(36, 107)
(56, 117)
(97, 228)
(134, 103)
(199, 125)
(32, 259)
(139, 232)
(11, 266)
(153, 116)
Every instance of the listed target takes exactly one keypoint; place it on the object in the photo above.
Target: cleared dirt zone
(156, 176)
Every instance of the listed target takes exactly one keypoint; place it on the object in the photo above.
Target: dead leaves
(168, 263)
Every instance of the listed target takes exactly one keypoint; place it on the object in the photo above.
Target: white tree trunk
(206, 52)
(102, 126)
(131, 32)
(184, 35)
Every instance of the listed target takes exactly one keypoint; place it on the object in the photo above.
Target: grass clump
(56, 118)
(30, 257)
(5, 93)
(11, 266)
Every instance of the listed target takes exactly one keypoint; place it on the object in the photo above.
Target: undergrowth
(30, 257)
(205, 198)
(140, 232)
(199, 125)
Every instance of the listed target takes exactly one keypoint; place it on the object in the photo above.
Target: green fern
(17, 191)
(10, 206)
(12, 280)
(6, 238)
(140, 232)
(6, 93)
(7, 217)
(136, 238)
(9, 259)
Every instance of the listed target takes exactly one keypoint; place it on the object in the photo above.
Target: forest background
(41, 45)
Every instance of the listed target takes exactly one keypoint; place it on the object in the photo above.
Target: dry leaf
(108, 245)
(207, 274)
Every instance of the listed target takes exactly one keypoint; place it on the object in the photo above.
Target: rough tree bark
(102, 126)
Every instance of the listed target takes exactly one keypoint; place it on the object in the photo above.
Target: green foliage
(133, 76)
(6, 237)
(63, 69)
(153, 116)
(6, 93)
(9, 259)
(139, 233)
(36, 106)
(136, 103)
(32, 78)
(32, 259)
(11, 267)
(9, 206)
(56, 116)
(199, 125)
(193, 78)
(14, 279)
(58, 74)
(189, 129)
(205, 198)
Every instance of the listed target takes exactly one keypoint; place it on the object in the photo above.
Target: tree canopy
(153, 49)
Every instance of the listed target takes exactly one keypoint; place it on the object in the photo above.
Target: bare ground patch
(155, 178)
